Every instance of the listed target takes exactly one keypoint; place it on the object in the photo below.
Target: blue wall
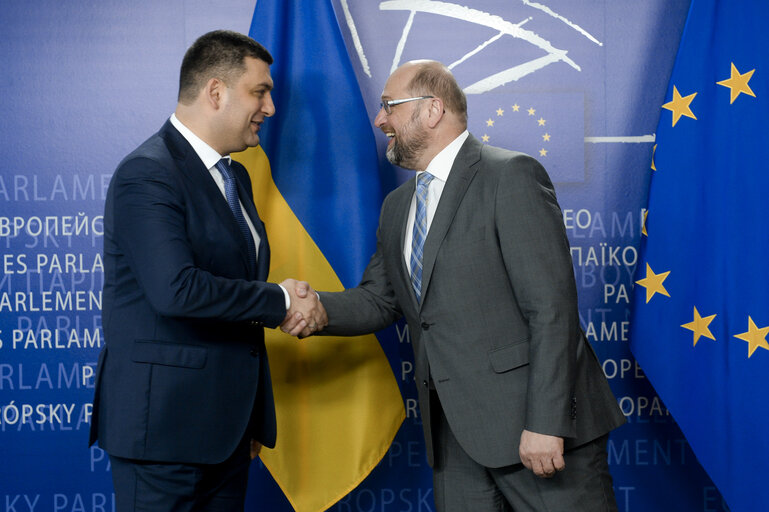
(83, 83)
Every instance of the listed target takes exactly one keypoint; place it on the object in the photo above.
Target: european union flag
(701, 309)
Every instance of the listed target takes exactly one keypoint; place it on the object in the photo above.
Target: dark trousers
(164, 487)
(461, 484)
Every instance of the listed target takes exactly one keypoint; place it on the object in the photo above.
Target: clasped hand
(306, 314)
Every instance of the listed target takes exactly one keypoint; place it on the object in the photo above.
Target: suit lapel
(263, 253)
(402, 207)
(462, 173)
(192, 168)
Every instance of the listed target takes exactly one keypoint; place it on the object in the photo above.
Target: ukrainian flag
(316, 185)
(701, 304)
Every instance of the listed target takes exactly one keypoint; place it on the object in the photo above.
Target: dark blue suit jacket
(184, 370)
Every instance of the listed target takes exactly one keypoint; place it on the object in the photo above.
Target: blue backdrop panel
(83, 84)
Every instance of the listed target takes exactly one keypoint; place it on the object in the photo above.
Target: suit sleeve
(538, 262)
(369, 307)
(149, 229)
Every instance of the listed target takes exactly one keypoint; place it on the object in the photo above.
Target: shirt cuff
(288, 297)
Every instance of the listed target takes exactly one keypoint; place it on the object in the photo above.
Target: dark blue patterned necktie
(231, 191)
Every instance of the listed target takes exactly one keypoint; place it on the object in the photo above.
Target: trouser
(155, 486)
(460, 484)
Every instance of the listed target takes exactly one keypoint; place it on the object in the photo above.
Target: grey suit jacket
(498, 328)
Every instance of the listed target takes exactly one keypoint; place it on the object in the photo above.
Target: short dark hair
(434, 79)
(218, 54)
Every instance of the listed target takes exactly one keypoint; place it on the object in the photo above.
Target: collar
(440, 165)
(206, 153)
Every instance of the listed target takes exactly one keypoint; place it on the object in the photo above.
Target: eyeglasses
(389, 104)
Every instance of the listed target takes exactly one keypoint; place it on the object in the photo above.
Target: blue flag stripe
(320, 143)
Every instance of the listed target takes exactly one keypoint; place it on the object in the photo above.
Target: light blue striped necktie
(419, 233)
(233, 200)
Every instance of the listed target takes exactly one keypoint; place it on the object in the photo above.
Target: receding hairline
(442, 80)
(427, 64)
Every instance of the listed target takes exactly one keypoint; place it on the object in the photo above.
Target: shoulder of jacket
(154, 148)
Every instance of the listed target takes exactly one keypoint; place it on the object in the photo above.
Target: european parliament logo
(500, 53)
(549, 127)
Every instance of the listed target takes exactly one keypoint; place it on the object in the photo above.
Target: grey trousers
(460, 484)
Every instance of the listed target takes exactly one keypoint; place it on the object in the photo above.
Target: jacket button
(256, 323)
(424, 383)
(425, 326)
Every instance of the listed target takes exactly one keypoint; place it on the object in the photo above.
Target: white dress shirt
(440, 167)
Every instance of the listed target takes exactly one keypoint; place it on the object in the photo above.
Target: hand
(541, 453)
(306, 315)
(319, 318)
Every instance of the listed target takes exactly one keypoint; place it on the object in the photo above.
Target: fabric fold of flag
(701, 301)
(317, 188)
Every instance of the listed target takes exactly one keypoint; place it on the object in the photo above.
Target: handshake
(306, 314)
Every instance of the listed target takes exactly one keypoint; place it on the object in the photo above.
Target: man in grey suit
(515, 407)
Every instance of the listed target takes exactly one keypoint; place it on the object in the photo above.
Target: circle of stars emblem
(531, 117)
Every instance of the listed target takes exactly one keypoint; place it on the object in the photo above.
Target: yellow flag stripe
(337, 401)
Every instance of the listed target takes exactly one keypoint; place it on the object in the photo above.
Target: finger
(293, 318)
(291, 322)
(318, 322)
(559, 463)
(309, 330)
(301, 289)
(298, 328)
(324, 316)
(548, 469)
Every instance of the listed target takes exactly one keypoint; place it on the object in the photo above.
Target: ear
(214, 93)
(435, 112)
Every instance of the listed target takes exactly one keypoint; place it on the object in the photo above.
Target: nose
(268, 107)
(380, 117)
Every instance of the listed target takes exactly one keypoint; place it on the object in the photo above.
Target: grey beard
(406, 150)
(394, 154)
(406, 154)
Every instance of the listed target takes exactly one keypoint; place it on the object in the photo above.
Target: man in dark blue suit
(183, 384)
